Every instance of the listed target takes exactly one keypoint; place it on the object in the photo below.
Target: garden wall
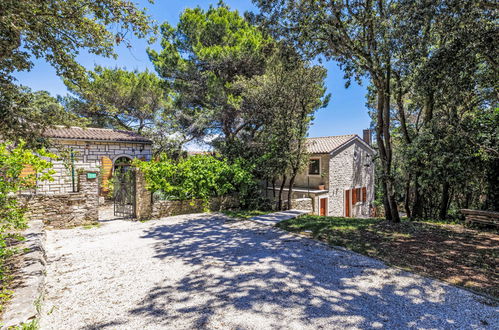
(169, 208)
(66, 210)
(305, 204)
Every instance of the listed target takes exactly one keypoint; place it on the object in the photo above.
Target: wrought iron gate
(124, 192)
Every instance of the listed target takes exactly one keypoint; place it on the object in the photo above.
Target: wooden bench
(482, 217)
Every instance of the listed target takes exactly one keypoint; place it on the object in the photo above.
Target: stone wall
(305, 204)
(162, 209)
(350, 167)
(143, 197)
(88, 155)
(66, 210)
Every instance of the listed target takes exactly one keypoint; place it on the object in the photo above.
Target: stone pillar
(143, 197)
(88, 185)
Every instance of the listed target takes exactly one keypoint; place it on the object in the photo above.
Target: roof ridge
(331, 136)
(93, 133)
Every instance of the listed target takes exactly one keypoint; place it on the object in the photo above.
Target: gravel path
(204, 271)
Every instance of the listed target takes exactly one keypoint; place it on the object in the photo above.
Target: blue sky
(346, 113)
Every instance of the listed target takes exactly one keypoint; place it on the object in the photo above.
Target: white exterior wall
(347, 170)
(88, 155)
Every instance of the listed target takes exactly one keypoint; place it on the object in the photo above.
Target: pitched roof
(96, 134)
(326, 144)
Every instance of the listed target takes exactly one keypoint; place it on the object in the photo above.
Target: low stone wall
(305, 204)
(169, 208)
(65, 210)
(22, 308)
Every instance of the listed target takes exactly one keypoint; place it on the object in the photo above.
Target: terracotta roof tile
(326, 144)
(101, 134)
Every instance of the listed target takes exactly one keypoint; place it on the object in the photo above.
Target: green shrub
(13, 159)
(196, 177)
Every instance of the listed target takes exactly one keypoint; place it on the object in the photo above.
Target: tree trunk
(290, 192)
(273, 188)
(385, 151)
(407, 199)
(388, 147)
(444, 201)
(279, 204)
(382, 154)
(417, 206)
(492, 192)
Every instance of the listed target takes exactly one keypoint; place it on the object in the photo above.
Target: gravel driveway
(204, 271)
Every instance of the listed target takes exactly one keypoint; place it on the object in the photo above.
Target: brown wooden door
(347, 203)
(322, 206)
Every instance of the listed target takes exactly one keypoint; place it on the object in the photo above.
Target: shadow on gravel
(245, 269)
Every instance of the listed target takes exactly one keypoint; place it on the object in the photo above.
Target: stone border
(24, 305)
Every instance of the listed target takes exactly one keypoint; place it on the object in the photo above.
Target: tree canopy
(117, 98)
(57, 31)
(201, 59)
(432, 69)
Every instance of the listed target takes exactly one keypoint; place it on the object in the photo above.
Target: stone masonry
(88, 155)
(143, 197)
(350, 167)
(66, 210)
(306, 204)
(345, 166)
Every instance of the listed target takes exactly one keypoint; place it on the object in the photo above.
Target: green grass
(244, 214)
(346, 232)
(318, 224)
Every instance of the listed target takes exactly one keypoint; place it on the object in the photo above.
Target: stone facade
(66, 210)
(351, 167)
(347, 167)
(88, 155)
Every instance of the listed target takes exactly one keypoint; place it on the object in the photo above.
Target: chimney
(366, 136)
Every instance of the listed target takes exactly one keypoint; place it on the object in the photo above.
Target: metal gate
(124, 192)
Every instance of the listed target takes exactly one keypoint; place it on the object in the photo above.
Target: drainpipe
(73, 170)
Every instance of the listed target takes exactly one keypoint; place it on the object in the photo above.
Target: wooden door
(322, 206)
(347, 203)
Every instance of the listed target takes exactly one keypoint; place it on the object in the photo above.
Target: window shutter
(354, 196)
(364, 194)
(107, 169)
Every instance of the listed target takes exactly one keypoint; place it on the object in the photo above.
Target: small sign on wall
(91, 175)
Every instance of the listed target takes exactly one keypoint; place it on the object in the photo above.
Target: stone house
(90, 149)
(339, 178)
